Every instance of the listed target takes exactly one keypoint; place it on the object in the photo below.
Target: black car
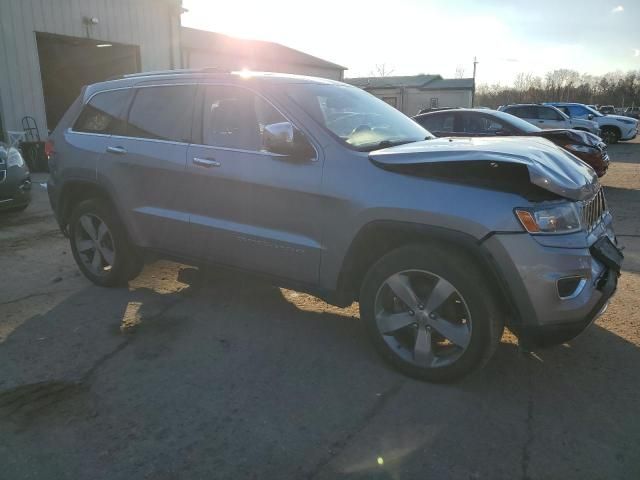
(15, 180)
(465, 122)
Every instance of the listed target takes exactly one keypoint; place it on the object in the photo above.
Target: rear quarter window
(104, 113)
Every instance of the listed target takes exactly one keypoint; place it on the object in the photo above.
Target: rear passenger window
(546, 113)
(437, 123)
(104, 113)
(235, 118)
(162, 113)
(523, 112)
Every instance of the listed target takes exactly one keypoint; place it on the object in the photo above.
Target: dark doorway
(69, 63)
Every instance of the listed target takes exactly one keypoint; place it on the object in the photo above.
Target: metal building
(50, 48)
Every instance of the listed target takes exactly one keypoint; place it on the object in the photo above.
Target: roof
(195, 39)
(422, 81)
(451, 84)
(416, 81)
(177, 76)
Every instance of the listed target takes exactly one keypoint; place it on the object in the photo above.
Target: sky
(438, 36)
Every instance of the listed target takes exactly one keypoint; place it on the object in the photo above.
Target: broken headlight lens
(558, 218)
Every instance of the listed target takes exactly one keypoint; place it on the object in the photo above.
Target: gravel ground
(196, 375)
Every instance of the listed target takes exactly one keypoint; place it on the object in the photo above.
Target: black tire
(457, 269)
(127, 264)
(610, 135)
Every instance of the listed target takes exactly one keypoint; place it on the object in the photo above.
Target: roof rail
(178, 71)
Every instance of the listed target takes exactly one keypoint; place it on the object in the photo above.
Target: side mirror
(590, 116)
(284, 139)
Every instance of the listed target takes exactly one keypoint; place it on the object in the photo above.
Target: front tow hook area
(549, 335)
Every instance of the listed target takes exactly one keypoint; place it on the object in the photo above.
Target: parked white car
(614, 127)
(549, 117)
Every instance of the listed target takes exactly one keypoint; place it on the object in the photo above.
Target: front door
(251, 208)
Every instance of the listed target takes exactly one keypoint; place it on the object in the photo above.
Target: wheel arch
(74, 192)
(380, 237)
(615, 128)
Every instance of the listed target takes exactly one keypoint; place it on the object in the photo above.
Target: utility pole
(473, 91)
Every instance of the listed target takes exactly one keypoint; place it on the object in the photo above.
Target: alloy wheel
(94, 244)
(423, 318)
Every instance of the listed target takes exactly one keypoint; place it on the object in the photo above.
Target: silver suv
(326, 189)
(549, 117)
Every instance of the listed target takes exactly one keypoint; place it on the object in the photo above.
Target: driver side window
(235, 118)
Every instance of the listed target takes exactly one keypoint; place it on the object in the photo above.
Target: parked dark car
(15, 180)
(488, 123)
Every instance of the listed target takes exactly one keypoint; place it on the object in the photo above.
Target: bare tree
(460, 71)
(382, 70)
(614, 88)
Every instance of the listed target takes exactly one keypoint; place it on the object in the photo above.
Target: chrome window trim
(75, 132)
(155, 140)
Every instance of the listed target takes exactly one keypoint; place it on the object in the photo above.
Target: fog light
(570, 287)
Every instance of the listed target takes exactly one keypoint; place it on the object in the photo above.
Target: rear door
(88, 138)
(251, 208)
(144, 165)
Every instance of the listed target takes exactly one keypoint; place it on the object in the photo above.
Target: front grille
(593, 210)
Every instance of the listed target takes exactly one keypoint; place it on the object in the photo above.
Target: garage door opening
(69, 63)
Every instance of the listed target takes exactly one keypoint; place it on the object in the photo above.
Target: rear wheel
(429, 313)
(610, 135)
(100, 245)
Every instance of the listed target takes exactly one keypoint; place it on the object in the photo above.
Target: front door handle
(117, 150)
(206, 162)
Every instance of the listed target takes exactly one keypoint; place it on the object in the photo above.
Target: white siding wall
(418, 99)
(410, 100)
(146, 23)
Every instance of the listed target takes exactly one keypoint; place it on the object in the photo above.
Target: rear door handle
(117, 150)
(206, 162)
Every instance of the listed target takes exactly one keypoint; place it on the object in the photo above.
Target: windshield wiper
(385, 144)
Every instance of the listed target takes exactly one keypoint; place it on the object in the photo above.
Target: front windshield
(593, 111)
(516, 122)
(356, 117)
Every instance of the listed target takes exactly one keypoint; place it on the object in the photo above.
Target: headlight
(628, 121)
(14, 159)
(558, 218)
(579, 148)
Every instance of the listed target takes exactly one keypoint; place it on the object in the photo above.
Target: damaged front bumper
(535, 269)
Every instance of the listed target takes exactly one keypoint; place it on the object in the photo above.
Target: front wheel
(429, 313)
(610, 135)
(100, 245)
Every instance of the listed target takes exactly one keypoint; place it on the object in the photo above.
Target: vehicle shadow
(625, 153)
(218, 372)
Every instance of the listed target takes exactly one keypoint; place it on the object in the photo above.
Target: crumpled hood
(576, 136)
(549, 166)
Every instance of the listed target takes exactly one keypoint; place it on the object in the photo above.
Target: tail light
(49, 149)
